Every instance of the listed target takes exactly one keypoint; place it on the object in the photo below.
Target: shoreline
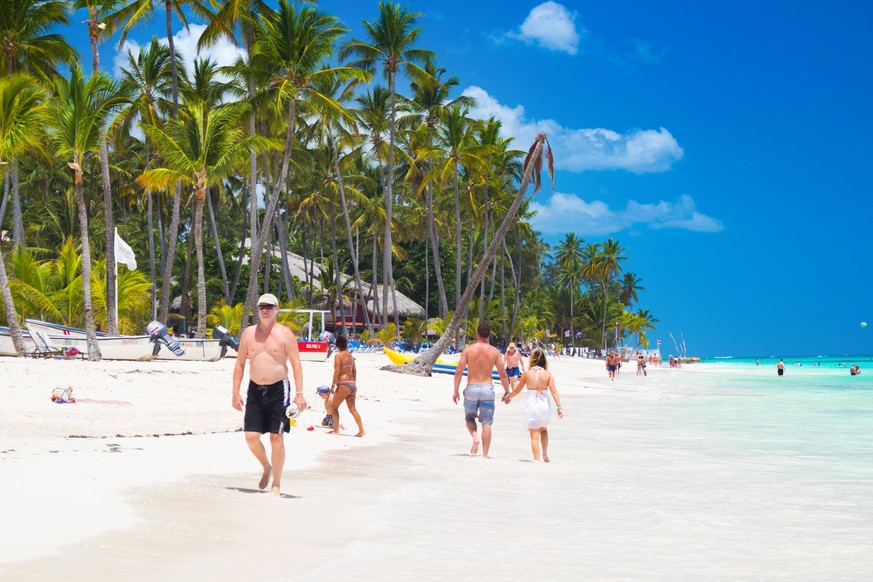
(650, 476)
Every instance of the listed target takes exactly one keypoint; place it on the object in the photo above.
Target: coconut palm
(390, 41)
(20, 108)
(570, 274)
(630, 285)
(608, 264)
(147, 79)
(532, 173)
(27, 45)
(200, 148)
(136, 13)
(79, 111)
(291, 47)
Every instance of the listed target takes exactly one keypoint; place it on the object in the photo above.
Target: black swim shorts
(265, 407)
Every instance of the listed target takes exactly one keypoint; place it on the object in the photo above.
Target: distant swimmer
(855, 370)
(780, 367)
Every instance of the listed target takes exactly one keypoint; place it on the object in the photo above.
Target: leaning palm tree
(291, 47)
(391, 40)
(79, 112)
(20, 107)
(423, 364)
(200, 149)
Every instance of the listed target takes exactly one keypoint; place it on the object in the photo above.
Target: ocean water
(710, 472)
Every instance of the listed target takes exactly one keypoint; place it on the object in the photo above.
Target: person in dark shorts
(269, 346)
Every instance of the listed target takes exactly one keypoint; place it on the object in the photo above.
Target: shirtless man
(479, 359)
(611, 365)
(514, 365)
(269, 346)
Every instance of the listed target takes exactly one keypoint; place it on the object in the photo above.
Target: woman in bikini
(538, 406)
(343, 387)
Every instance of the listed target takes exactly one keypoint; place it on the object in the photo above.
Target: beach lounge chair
(46, 349)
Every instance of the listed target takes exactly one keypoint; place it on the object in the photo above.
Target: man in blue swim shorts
(514, 365)
(480, 359)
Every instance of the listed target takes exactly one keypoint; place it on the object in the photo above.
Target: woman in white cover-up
(538, 406)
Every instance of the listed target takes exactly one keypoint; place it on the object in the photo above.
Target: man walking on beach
(611, 365)
(269, 346)
(514, 365)
(479, 359)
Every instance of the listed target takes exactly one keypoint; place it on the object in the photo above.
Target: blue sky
(724, 144)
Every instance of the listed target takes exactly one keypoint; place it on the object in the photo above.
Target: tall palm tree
(27, 44)
(200, 148)
(630, 285)
(147, 79)
(21, 102)
(430, 99)
(570, 264)
(424, 362)
(390, 41)
(98, 11)
(136, 13)
(80, 109)
(609, 266)
(291, 47)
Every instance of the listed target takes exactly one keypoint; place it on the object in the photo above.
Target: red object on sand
(311, 428)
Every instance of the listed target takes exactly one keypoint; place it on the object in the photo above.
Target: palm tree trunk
(268, 260)
(434, 246)
(11, 315)
(484, 246)
(515, 281)
(184, 304)
(424, 362)
(90, 331)
(3, 204)
(352, 249)
(17, 221)
(151, 239)
(201, 271)
(221, 267)
(387, 269)
(283, 250)
(242, 249)
(258, 249)
(374, 289)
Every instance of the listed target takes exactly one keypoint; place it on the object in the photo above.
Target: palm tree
(79, 111)
(291, 47)
(200, 148)
(391, 37)
(20, 108)
(423, 364)
(570, 264)
(630, 285)
(608, 266)
(27, 45)
(98, 11)
(135, 13)
(146, 78)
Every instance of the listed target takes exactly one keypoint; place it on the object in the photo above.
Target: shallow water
(712, 472)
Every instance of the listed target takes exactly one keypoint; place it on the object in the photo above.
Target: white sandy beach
(147, 477)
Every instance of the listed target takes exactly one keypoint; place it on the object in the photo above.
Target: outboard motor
(225, 339)
(160, 335)
(330, 338)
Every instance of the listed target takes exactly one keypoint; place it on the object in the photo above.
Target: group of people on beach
(270, 346)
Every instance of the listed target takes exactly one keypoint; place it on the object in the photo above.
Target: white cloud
(577, 150)
(551, 26)
(564, 212)
(222, 52)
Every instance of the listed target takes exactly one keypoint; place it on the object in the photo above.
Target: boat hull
(440, 367)
(136, 348)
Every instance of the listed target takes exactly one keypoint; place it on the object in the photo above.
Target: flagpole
(115, 266)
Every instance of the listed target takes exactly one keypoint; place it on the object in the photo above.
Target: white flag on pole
(123, 253)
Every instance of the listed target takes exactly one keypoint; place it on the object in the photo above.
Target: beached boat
(441, 367)
(201, 350)
(111, 348)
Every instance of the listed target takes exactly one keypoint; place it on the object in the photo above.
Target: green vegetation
(394, 189)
